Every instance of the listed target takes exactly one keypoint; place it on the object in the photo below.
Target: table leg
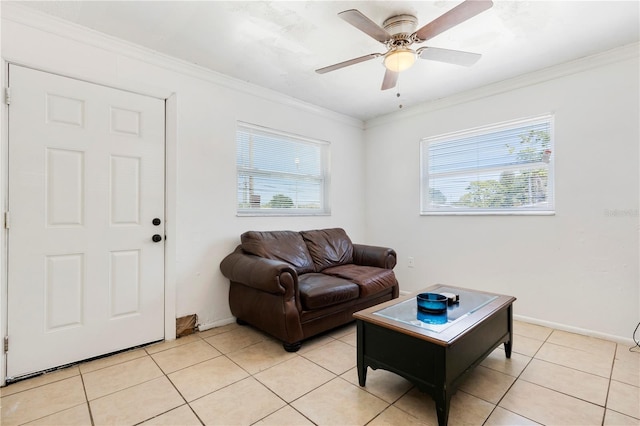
(362, 369)
(442, 408)
(362, 374)
(507, 348)
(509, 344)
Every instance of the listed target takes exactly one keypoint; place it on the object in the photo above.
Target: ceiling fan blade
(465, 10)
(456, 57)
(364, 24)
(347, 63)
(390, 80)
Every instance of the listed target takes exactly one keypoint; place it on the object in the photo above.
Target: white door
(86, 181)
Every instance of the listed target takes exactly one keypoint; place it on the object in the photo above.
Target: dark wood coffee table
(434, 357)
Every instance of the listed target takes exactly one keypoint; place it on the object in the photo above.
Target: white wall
(202, 158)
(577, 269)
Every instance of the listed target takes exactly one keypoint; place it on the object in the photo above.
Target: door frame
(170, 175)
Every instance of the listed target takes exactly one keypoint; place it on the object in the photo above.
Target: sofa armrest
(271, 276)
(381, 257)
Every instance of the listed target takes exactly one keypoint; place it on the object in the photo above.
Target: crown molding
(619, 54)
(11, 11)
(25, 16)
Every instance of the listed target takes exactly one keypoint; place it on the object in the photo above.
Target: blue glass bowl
(432, 308)
(431, 303)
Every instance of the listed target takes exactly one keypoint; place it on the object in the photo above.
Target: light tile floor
(236, 375)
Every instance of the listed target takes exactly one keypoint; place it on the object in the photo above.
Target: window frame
(426, 142)
(324, 178)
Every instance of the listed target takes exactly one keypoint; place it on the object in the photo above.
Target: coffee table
(434, 357)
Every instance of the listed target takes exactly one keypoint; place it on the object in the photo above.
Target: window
(280, 173)
(500, 169)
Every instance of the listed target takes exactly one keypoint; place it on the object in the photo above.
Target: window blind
(280, 173)
(498, 169)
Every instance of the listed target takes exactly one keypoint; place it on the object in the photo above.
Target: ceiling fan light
(399, 59)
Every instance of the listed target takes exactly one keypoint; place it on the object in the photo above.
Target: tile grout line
(166, 375)
(605, 408)
(250, 375)
(609, 379)
(86, 397)
(59, 411)
(517, 377)
(286, 404)
(497, 404)
(393, 405)
(289, 404)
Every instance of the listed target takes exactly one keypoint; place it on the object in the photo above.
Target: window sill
(279, 214)
(490, 213)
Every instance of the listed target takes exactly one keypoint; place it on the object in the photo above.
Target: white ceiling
(279, 44)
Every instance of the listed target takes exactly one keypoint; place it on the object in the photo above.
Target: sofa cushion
(328, 247)
(287, 246)
(320, 290)
(371, 280)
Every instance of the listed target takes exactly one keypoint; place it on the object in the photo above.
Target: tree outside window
(499, 169)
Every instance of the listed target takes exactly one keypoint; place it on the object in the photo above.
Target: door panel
(86, 179)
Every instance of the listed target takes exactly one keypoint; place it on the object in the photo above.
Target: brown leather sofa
(294, 285)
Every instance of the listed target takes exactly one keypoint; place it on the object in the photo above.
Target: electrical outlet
(410, 262)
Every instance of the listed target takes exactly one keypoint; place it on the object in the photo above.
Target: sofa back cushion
(328, 247)
(287, 246)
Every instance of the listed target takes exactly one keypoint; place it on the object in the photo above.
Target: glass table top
(407, 311)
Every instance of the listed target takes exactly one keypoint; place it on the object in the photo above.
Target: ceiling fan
(398, 34)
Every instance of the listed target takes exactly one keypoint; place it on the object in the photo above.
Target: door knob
(156, 221)
(156, 238)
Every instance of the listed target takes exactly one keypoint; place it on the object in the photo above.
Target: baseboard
(220, 323)
(618, 339)
(591, 333)
(563, 327)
